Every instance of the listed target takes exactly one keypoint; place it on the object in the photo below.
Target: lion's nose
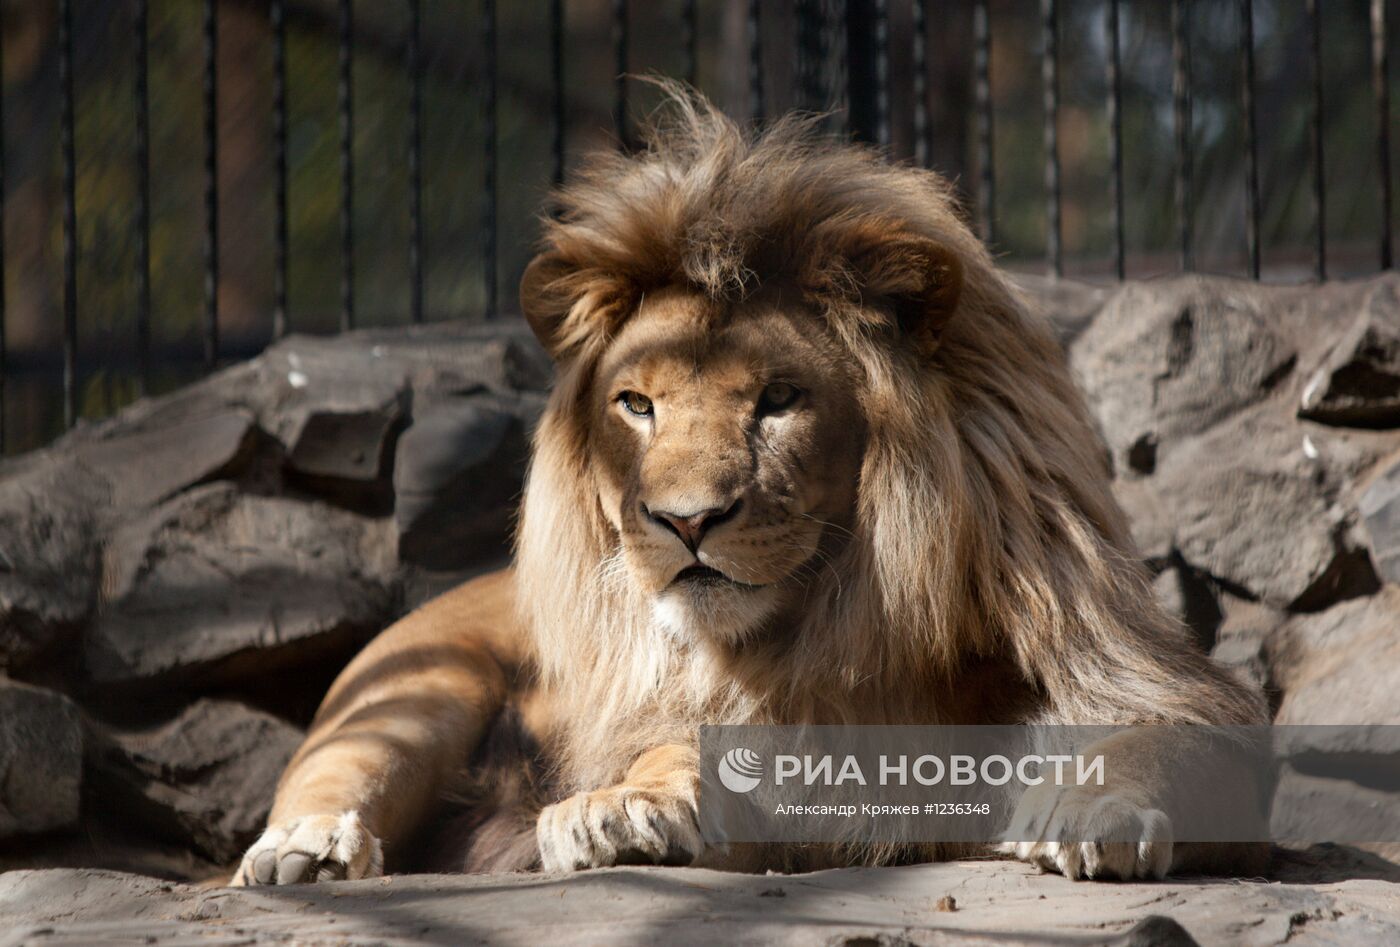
(692, 527)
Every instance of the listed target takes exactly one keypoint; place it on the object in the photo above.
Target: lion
(809, 458)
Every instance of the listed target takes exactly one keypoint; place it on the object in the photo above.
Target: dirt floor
(1346, 899)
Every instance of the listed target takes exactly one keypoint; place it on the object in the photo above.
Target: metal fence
(835, 54)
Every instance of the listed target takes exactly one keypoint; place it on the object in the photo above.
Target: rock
(1266, 520)
(1243, 638)
(457, 476)
(150, 464)
(1169, 359)
(206, 778)
(48, 555)
(1359, 382)
(41, 760)
(998, 902)
(217, 585)
(347, 453)
(1380, 515)
(1328, 806)
(1342, 666)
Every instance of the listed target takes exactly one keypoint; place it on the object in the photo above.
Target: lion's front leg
(1091, 832)
(650, 817)
(1163, 787)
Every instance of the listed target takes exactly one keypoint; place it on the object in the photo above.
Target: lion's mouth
(701, 576)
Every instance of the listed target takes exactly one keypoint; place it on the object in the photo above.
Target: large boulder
(217, 585)
(1341, 666)
(457, 476)
(1380, 513)
(205, 778)
(41, 760)
(1358, 383)
(48, 555)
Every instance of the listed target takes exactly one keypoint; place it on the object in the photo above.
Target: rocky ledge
(179, 584)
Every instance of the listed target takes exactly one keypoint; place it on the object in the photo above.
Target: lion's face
(727, 448)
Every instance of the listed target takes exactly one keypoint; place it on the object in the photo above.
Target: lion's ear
(546, 298)
(920, 278)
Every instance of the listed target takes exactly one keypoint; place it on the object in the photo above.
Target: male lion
(809, 459)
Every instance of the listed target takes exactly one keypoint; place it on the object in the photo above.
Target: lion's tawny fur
(978, 570)
(986, 523)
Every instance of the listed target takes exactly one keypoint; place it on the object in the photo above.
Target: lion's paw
(618, 826)
(1090, 834)
(312, 848)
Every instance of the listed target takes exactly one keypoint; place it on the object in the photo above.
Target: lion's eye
(778, 396)
(637, 404)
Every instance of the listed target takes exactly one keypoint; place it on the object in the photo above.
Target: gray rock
(1380, 514)
(149, 464)
(206, 778)
(1327, 806)
(1268, 519)
(1243, 638)
(1359, 382)
(1169, 359)
(215, 585)
(41, 760)
(457, 477)
(48, 554)
(1341, 666)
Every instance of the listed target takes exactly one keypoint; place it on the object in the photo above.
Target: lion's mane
(985, 526)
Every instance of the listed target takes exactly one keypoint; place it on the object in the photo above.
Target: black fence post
(277, 11)
(867, 50)
(1181, 111)
(415, 160)
(211, 183)
(1314, 17)
(755, 33)
(1115, 135)
(556, 76)
(1380, 87)
(1251, 145)
(345, 97)
(488, 134)
(1050, 79)
(982, 92)
(70, 214)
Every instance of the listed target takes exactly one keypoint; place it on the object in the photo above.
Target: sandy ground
(995, 902)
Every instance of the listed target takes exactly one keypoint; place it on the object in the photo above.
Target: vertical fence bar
(882, 72)
(3, 352)
(808, 54)
(1380, 85)
(488, 182)
(982, 81)
(1115, 136)
(211, 183)
(556, 73)
(620, 59)
(1314, 17)
(1181, 110)
(1251, 144)
(278, 14)
(70, 214)
(1050, 80)
(923, 128)
(690, 41)
(415, 159)
(755, 31)
(142, 222)
(345, 106)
